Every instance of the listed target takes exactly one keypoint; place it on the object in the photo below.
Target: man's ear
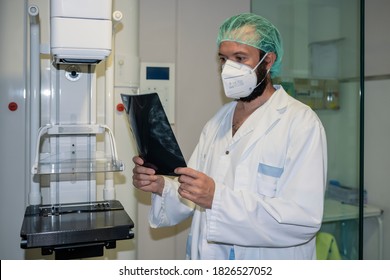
(270, 59)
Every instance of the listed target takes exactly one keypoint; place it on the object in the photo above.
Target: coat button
(227, 152)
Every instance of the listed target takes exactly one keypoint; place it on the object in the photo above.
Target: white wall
(377, 125)
(377, 162)
(183, 32)
(12, 89)
(377, 38)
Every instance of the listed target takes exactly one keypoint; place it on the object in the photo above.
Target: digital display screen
(157, 73)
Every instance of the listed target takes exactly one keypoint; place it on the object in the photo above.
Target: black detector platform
(75, 230)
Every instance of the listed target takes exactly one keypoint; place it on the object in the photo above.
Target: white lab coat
(270, 185)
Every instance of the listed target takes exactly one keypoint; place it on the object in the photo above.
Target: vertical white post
(109, 188)
(34, 98)
(126, 80)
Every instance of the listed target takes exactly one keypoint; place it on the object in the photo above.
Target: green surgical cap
(255, 31)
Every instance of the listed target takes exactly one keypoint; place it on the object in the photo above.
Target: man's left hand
(196, 186)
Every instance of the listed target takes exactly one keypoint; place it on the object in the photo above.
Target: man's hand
(144, 178)
(196, 186)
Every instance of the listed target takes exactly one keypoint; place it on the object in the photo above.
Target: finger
(183, 179)
(142, 183)
(187, 171)
(138, 160)
(185, 193)
(142, 178)
(145, 182)
(143, 170)
(190, 189)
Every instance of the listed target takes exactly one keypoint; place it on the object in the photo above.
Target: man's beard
(261, 73)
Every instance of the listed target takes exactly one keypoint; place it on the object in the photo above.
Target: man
(256, 180)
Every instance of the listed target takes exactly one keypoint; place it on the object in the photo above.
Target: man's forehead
(246, 35)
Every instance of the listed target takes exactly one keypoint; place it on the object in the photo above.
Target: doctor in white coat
(255, 183)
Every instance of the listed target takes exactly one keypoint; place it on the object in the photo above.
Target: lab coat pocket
(267, 179)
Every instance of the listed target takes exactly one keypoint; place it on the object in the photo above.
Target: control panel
(160, 78)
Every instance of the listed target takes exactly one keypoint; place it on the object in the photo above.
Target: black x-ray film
(156, 142)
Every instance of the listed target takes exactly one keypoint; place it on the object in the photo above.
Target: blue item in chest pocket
(270, 170)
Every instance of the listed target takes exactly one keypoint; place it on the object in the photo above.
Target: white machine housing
(91, 18)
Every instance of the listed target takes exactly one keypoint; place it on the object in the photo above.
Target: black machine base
(75, 230)
(76, 251)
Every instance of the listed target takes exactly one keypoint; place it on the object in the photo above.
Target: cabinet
(319, 94)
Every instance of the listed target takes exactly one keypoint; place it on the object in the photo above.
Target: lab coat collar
(279, 99)
(276, 107)
(277, 104)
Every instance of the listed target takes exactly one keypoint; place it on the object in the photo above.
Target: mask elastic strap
(261, 60)
(262, 79)
(254, 69)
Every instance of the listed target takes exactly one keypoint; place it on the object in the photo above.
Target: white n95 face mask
(239, 80)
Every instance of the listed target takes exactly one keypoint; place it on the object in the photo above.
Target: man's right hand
(145, 179)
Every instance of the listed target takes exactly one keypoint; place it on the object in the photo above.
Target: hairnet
(255, 31)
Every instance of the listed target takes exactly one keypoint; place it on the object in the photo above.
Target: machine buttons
(12, 106)
(120, 107)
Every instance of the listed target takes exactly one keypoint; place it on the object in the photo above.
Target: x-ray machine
(80, 56)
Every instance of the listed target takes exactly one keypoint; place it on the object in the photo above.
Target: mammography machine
(72, 111)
